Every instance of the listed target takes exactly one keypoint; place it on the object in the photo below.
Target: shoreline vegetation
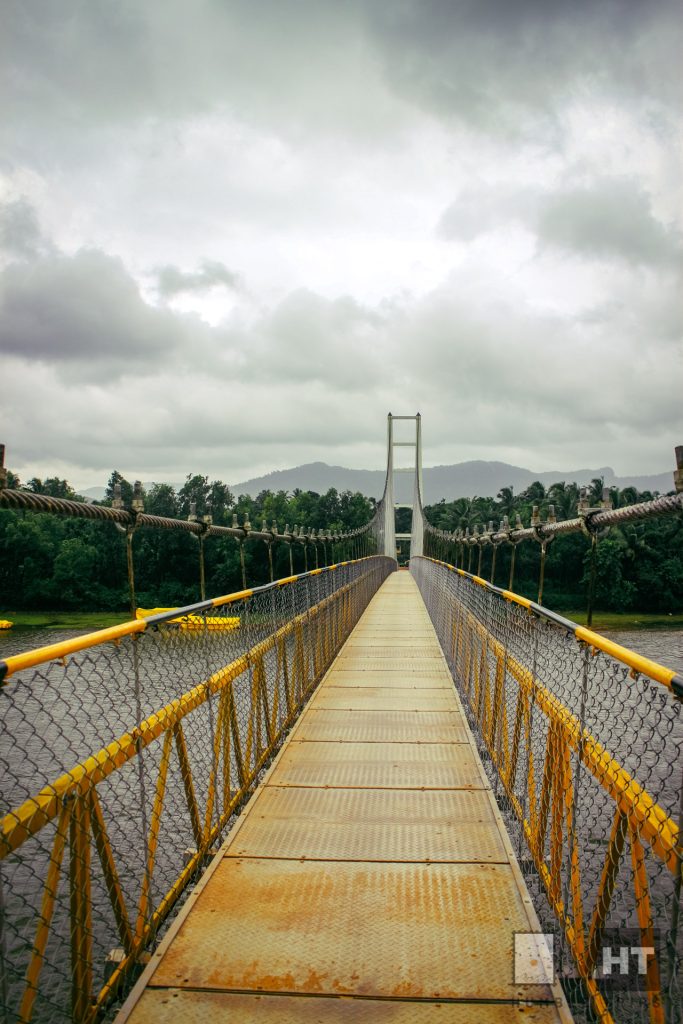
(100, 620)
(58, 570)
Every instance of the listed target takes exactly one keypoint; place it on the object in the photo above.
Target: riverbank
(64, 620)
(626, 620)
(100, 620)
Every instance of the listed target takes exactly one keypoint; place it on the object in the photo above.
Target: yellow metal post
(81, 913)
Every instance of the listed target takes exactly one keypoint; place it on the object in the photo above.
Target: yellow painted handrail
(544, 805)
(112, 634)
(282, 670)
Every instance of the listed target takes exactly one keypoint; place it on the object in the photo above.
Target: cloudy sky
(234, 234)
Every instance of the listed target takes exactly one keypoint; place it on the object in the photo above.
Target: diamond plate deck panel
(398, 642)
(370, 653)
(384, 699)
(390, 625)
(371, 825)
(368, 880)
(395, 621)
(379, 765)
(411, 930)
(338, 677)
(383, 727)
(356, 663)
(403, 609)
(178, 1006)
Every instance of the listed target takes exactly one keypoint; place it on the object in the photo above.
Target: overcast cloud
(234, 236)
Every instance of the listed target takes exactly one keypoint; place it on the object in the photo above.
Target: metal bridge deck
(370, 878)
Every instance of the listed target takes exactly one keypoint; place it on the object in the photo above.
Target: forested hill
(462, 480)
(50, 562)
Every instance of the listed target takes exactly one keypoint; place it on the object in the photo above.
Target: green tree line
(639, 565)
(54, 562)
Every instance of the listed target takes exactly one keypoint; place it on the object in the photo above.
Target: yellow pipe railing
(549, 815)
(302, 648)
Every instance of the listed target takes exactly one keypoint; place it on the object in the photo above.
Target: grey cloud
(21, 236)
(495, 65)
(477, 345)
(312, 339)
(318, 137)
(85, 315)
(649, 315)
(211, 274)
(319, 376)
(610, 218)
(105, 66)
(360, 69)
(607, 218)
(480, 209)
(85, 311)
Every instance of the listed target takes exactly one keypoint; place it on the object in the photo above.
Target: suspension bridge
(353, 794)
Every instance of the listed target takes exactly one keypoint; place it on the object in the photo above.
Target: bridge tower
(390, 535)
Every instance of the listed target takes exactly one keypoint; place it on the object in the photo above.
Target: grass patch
(626, 620)
(99, 620)
(65, 620)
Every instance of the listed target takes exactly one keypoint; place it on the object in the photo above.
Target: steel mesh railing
(125, 763)
(583, 743)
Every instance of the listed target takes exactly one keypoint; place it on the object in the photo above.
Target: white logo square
(533, 958)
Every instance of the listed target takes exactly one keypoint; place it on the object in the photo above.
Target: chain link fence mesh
(126, 762)
(585, 756)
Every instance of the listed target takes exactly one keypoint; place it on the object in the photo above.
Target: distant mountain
(315, 476)
(462, 480)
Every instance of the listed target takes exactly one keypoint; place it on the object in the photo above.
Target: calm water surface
(662, 645)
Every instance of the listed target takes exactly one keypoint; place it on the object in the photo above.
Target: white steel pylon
(415, 535)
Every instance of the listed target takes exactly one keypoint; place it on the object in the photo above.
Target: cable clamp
(588, 528)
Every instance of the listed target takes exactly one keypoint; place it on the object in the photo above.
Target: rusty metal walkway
(370, 878)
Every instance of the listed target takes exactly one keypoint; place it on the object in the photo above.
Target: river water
(662, 645)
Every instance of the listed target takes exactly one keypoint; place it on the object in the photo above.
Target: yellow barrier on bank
(192, 621)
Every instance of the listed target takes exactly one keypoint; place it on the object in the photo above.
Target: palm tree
(461, 513)
(535, 493)
(506, 502)
(595, 490)
(565, 498)
(483, 509)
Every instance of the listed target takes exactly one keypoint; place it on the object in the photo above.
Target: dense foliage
(53, 562)
(639, 565)
(47, 561)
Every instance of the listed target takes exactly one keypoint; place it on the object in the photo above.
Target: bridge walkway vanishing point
(370, 878)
